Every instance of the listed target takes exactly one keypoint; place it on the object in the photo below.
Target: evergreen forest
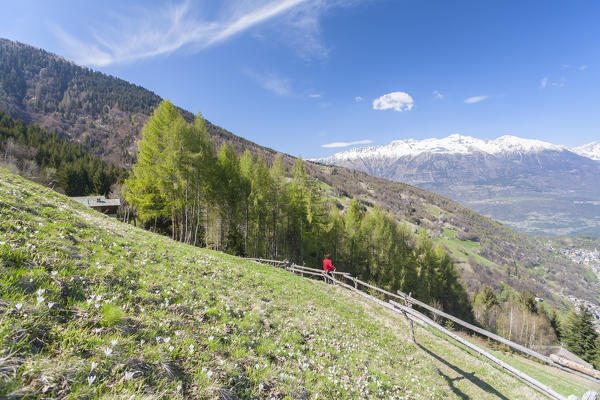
(44, 157)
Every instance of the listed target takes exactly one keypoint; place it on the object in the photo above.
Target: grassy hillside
(91, 307)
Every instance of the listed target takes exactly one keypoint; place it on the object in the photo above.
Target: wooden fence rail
(547, 390)
(414, 315)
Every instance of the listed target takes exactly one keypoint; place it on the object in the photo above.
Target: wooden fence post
(410, 323)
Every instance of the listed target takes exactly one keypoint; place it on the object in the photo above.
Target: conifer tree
(579, 335)
(427, 263)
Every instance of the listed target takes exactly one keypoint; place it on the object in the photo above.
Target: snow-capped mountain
(529, 184)
(590, 150)
(453, 144)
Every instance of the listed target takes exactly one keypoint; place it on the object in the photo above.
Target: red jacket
(327, 265)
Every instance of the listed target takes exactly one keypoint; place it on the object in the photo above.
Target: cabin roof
(97, 201)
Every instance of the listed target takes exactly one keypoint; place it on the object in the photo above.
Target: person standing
(328, 266)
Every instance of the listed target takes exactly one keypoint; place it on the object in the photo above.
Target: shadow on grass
(463, 375)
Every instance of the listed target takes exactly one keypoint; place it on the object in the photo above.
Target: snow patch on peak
(453, 144)
(590, 150)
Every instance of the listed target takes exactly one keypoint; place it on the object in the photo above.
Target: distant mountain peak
(590, 150)
(453, 144)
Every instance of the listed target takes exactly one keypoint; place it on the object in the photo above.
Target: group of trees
(515, 316)
(43, 156)
(520, 318)
(180, 185)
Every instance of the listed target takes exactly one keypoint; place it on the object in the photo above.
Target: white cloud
(315, 95)
(438, 95)
(475, 99)
(346, 144)
(399, 101)
(544, 82)
(583, 67)
(140, 33)
(358, 99)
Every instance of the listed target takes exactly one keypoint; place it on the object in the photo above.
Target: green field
(462, 249)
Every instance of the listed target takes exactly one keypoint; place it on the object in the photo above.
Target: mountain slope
(530, 185)
(484, 250)
(101, 112)
(93, 307)
(590, 150)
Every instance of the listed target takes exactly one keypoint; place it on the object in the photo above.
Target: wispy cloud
(546, 82)
(315, 95)
(399, 101)
(437, 95)
(582, 67)
(358, 99)
(346, 144)
(272, 82)
(136, 34)
(475, 99)
(560, 83)
(251, 18)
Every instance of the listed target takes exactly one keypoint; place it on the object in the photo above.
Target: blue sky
(296, 75)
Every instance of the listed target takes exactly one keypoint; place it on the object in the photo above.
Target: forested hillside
(42, 156)
(58, 95)
(240, 205)
(103, 113)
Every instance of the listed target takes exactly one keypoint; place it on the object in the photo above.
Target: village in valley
(591, 260)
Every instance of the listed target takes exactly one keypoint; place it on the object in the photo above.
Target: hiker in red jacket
(328, 266)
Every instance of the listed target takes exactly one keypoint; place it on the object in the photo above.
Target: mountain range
(106, 114)
(529, 185)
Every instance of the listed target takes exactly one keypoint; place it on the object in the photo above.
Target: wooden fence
(402, 303)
